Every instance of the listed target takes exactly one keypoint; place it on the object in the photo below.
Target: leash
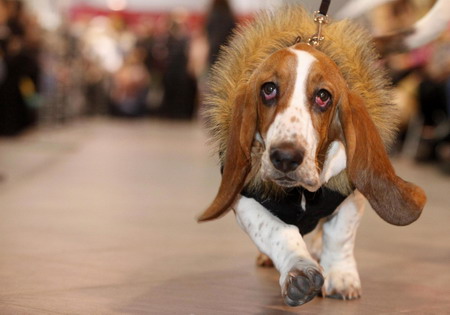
(320, 17)
(324, 7)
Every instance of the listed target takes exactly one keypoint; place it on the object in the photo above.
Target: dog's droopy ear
(237, 163)
(369, 169)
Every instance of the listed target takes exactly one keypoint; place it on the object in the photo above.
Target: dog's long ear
(237, 163)
(369, 169)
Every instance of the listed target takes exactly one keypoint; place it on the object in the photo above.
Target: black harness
(317, 205)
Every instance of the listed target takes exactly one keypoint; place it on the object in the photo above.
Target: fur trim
(347, 44)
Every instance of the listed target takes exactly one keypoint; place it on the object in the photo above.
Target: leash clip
(317, 38)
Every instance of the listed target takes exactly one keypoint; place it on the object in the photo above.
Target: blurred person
(19, 50)
(393, 16)
(144, 40)
(95, 88)
(130, 87)
(219, 25)
(427, 70)
(107, 40)
(100, 44)
(123, 36)
(434, 98)
(153, 41)
(418, 90)
(180, 87)
(62, 77)
(198, 59)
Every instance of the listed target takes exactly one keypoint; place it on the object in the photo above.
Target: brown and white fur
(340, 146)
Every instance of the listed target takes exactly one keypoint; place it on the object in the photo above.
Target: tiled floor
(99, 218)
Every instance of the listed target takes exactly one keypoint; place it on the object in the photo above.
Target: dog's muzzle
(286, 157)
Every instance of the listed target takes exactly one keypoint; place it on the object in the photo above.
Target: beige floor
(98, 218)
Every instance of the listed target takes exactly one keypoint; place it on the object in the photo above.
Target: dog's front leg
(300, 276)
(337, 259)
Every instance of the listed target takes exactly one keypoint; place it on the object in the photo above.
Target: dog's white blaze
(335, 161)
(300, 130)
(283, 128)
(280, 241)
(337, 257)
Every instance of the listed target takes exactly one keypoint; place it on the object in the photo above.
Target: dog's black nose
(286, 157)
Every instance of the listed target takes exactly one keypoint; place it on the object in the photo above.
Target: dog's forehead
(318, 55)
(282, 61)
(324, 62)
(287, 59)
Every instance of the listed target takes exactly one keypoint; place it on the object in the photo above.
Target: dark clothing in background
(155, 48)
(20, 68)
(180, 87)
(13, 110)
(219, 27)
(433, 102)
(15, 114)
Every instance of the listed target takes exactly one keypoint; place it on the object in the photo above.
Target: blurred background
(104, 163)
(66, 60)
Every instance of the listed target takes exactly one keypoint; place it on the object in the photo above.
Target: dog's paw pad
(302, 286)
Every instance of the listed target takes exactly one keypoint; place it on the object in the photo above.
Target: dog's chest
(300, 207)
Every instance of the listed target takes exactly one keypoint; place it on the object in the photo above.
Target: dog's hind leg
(264, 261)
(300, 276)
(315, 241)
(337, 259)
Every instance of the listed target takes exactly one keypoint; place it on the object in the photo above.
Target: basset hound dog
(302, 136)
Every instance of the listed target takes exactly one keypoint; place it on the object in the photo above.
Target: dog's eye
(269, 93)
(322, 98)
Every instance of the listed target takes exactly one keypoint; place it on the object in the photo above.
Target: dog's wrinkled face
(298, 89)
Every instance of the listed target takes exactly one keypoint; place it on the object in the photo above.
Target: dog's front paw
(342, 284)
(301, 285)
